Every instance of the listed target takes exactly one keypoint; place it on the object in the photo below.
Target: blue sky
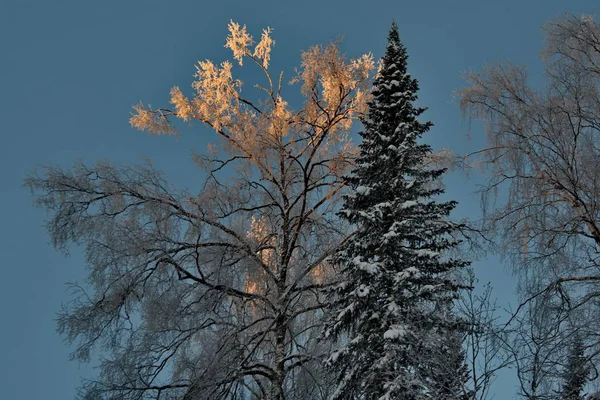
(72, 69)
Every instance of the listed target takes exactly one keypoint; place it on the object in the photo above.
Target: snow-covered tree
(397, 274)
(576, 371)
(215, 292)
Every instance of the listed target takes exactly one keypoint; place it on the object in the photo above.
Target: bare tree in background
(214, 293)
(484, 340)
(536, 342)
(543, 198)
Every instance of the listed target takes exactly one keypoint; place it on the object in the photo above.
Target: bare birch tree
(484, 339)
(536, 342)
(215, 292)
(543, 151)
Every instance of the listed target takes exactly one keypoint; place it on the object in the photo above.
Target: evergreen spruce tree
(576, 372)
(395, 269)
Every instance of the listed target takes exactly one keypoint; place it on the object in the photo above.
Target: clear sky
(70, 71)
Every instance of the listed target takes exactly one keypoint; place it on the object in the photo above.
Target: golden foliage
(251, 285)
(216, 93)
(238, 41)
(264, 240)
(183, 107)
(319, 274)
(260, 233)
(155, 122)
(263, 49)
(328, 80)
(336, 91)
(280, 118)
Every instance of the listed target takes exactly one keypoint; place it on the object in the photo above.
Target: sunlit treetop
(335, 89)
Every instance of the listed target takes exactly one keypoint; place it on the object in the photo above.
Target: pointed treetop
(393, 269)
(395, 52)
(394, 36)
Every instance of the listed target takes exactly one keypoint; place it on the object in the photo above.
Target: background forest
(296, 228)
